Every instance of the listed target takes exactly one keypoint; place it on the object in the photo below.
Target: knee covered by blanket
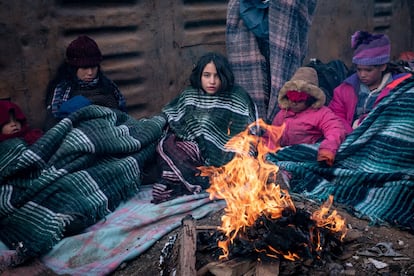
(163, 192)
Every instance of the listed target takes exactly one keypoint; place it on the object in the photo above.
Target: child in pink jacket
(358, 94)
(306, 119)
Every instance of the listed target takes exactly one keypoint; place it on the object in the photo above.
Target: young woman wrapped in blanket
(200, 122)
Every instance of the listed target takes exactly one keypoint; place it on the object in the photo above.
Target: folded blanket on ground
(72, 177)
(373, 171)
(124, 234)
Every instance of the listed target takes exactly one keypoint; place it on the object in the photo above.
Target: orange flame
(289, 256)
(248, 185)
(334, 222)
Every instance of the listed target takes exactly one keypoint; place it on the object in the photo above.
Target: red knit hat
(406, 56)
(83, 52)
(28, 134)
(7, 106)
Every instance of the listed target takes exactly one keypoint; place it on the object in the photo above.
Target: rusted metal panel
(335, 22)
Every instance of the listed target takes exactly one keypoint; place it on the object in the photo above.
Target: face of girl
(370, 75)
(210, 80)
(11, 127)
(297, 106)
(87, 74)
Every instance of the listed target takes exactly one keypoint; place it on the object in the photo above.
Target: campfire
(261, 220)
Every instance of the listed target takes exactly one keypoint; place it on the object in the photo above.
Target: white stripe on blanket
(125, 234)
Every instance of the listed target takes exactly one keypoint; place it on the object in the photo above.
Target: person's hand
(326, 156)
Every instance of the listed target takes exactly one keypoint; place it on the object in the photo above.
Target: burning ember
(260, 217)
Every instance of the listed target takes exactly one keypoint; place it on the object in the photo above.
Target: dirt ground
(359, 243)
(360, 255)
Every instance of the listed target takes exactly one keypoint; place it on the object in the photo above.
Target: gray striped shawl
(210, 120)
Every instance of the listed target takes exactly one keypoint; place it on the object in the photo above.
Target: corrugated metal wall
(336, 21)
(149, 47)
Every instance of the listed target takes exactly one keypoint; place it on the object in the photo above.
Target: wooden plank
(233, 267)
(268, 268)
(206, 227)
(188, 247)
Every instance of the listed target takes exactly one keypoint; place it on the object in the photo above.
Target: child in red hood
(306, 119)
(14, 124)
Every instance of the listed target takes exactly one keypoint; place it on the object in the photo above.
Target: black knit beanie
(83, 52)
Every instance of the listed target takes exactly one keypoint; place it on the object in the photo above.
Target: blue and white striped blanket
(374, 167)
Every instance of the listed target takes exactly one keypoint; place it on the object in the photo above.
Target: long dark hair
(223, 70)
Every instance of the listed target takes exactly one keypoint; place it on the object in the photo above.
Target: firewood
(187, 260)
(267, 268)
(206, 227)
(233, 267)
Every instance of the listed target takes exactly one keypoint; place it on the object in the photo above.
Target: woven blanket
(262, 77)
(374, 168)
(124, 234)
(210, 120)
(72, 177)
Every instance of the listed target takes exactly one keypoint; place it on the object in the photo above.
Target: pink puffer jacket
(311, 126)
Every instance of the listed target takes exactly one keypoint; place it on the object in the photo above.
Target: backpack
(330, 75)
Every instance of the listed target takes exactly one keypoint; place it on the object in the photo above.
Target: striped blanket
(374, 168)
(72, 177)
(200, 124)
(210, 120)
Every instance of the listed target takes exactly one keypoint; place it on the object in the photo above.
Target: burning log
(261, 220)
(294, 236)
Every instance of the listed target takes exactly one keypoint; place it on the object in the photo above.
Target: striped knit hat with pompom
(370, 49)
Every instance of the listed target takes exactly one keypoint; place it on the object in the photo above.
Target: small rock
(352, 235)
(349, 272)
(377, 264)
(335, 269)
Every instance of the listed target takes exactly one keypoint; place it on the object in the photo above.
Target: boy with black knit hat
(80, 82)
